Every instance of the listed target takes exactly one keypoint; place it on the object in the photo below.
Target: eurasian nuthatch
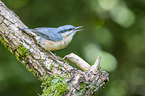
(53, 38)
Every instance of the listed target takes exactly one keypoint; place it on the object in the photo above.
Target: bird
(53, 38)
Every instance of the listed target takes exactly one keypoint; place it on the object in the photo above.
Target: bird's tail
(30, 32)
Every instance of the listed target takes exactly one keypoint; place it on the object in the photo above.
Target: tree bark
(42, 64)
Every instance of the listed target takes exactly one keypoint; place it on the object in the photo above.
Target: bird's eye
(70, 29)
(61, 31)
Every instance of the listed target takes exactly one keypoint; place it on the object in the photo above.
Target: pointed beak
(78, 28)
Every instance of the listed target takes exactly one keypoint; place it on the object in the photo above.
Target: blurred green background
(114, 29)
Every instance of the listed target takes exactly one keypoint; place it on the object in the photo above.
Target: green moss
(3, 42)
(22, 51)
(67, 75)
(54, 86)
(30, 70)
(51, 66)
(10, 49)
(18, 58)
(6, 45)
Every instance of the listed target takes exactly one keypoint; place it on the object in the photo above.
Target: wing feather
(47, 33)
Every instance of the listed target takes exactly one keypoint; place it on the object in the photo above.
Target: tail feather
(29, 31)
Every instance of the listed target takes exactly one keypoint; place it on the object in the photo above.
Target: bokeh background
(114, 29)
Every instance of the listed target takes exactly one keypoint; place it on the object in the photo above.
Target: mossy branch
(54, 73)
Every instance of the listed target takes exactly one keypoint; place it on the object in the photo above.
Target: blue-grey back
(48, 33)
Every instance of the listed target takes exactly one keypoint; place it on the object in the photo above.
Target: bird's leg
(55, 56)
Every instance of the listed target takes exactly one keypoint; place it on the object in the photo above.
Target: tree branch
(42, 64)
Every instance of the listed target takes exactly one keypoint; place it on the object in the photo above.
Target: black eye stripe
(66, 30)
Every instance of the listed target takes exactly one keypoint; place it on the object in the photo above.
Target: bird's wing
(47, 33)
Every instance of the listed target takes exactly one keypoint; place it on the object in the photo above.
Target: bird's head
(68, 30)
